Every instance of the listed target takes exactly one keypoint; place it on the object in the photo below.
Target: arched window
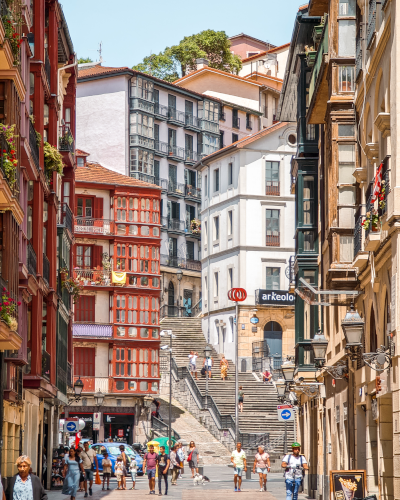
(273, 337)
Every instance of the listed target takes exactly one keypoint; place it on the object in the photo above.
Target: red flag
(77, 439)
(377, 184)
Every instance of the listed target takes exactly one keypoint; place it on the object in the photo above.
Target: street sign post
(96, 421)
(285, 413)
(71, 425)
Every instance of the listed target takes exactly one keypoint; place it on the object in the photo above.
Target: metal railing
(46, 360)
(273, 240)
(369, 208)
(139, 140)
(47, 66)
(65, 217)
(94, 226)
(192, 191)
(160, 110)
(163, 428)
(359, 50)
(173, 224)
(32, 260)
(192, 121)
(33, 145)
(141, 104)
(358, 229)
(66, 139)
(176, 116)
(385, 185)
(93, 277)
(176, 188)
(69, 375)
(174, 261)
(167, 311)
(142, 177)
(272, 188)
(249, 124)
(191, 156)
(235, 122)
(46, 269)
(161, 147)
(92, 330)
(163, 183)
(176, 152)
(371, 22)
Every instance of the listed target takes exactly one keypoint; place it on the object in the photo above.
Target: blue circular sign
(71, 426)
(254, 320)
(286, 414)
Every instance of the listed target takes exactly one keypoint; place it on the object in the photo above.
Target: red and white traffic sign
(285, 413)
(237, 294)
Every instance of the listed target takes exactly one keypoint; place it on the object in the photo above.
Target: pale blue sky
(132, 29)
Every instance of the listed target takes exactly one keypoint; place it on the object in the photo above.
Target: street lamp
(99, 398)
(319, 345)
(281, 389)
(353, 329)
(207, 355)
(78, 388)
(288, 371)
(168, 333)
(179, 276)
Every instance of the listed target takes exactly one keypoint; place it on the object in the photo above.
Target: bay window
(142, 88)
(346, 79)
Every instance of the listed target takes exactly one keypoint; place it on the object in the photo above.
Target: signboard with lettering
(347, 484)
(275, 297)
(96, 421)
(120, 433)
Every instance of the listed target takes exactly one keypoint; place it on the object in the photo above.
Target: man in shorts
(294, 466)
(238, 458)
(150, 466)
(263, 465)
(88, 457)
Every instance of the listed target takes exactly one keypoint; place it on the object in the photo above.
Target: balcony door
(172, 177)
(173, 247)
(174, 210)
(171, 299)
(190, 250)
(190, 215)
(272, 228)
(85, 309)
(190, 177)
(272, 177)
(84, 362)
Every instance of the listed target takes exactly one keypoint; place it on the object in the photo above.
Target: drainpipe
(58, 79)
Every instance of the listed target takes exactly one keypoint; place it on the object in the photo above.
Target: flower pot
(375, 229)
(317, 33)
(311, 58)
(64, 277)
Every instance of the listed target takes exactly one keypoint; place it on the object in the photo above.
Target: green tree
(209, 44)
(83, 60)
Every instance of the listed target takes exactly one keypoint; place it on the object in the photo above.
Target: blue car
(113, 453)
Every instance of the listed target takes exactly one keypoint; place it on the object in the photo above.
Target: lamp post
(288, 371)
(168, 333)
(319, 346)
(78, 388)
(207, 355)
(98, 399)
(179, 276)
(353, 329)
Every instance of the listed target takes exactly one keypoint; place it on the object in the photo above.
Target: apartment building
(246, 46)
(154, 131)
(116, 269)
(247, 242)
(345, 52)
(37, 80)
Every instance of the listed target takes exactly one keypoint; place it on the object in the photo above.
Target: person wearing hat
(294, 465)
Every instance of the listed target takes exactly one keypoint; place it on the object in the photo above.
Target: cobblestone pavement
(221, 486)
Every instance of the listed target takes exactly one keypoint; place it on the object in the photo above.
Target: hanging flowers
(9, 154)
(7, 308)
(53, 161)
(10, 22)
(371, 219)
(74, 287)
(195, 226)
(381, 196)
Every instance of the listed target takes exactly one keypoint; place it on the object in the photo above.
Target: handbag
(189, 458)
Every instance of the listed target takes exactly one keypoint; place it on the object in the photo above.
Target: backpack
(301, 465)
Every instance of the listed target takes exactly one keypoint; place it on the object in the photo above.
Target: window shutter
(169, 204)
(96, 259)
(199, 180)
(186, 176)
(98, 208)
(85, 309)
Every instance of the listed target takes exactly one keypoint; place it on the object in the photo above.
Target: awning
(315, 297)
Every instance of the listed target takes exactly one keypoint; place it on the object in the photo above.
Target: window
(142, 125)
(221, 139)
(273, 278)
(66, 192)
(248, 121)
(346, 78)
(84, 361)
(347, 38)
(189, 143)
(235, 119)
(208, 143)
(346, 190)
(308, 200)
(230, 174)
(206, 185)
(346, 130)
(141, 161)
(85, 309)
(346, 250)
(84, 207)
(235, 138)
(230, 222)
(272, 185)
(347, 7)
(80, 161)
(142, 88)
(209, 110)
(216, 229)
(251, 54)
(272, 228)
(171, 139)
(216, 285)
(230, 278)
(308, 244)
(133, 309)
(171, 101)
(190, 250)
(216, 180)
(84, 256)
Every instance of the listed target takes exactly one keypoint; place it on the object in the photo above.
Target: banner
(119, 278)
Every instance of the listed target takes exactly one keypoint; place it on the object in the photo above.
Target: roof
(267, 77)
(251, 38)
(218, 71)
(94, 173)
(100, 70)
(302, 7)
(242, 143)
(262, 54)
(79, 152)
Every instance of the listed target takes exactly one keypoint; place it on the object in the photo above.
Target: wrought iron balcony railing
(46, 269)
(174, 261)
(86, 225)
(92, 330)
(176, 188)
(191, 156)
(192, 192)
(33, 145)
(161, 111)
(176, 152)
(65, 217)
(32, 260)
(358, 229)
(235, 122)
(92, 277)
(161, 147)
(192, 121)
(66, 139)
(272, 188)
(176, 116)
(273, 240)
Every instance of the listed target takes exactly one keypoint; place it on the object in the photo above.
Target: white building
(247, 215)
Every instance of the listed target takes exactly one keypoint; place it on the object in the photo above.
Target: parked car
(113, 453)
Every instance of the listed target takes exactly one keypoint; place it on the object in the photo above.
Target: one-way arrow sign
(285, 413)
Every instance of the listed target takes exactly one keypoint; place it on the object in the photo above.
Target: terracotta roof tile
(213, 70)
(303, 6)
(99, 70)
(79, 152)
(96, 174)
(251, 58)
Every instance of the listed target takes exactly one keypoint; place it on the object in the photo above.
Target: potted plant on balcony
(53, 161)
(371, 221)
(311, 54)
(8, 307)
(74, 287)
(317, 32)
(10, 161)
(381, 196)
(11, 21)
(195, 226)
(63, 273)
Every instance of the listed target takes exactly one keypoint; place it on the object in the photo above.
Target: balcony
(33, 145)
(46, 269)
(235, 122)
(371, 33)
(94, 384)
(273, 240)
(66, 139)
(47, 67)
(142, 177)
(319, 85)
(176, 153)
(32, 260)
(163, 183)
(176, 226)
(160, 148)
(139, 140)
(92, 330)
(249, 125)
(272, 188)
(142, 105)
(385, 186)
(174, 261)
(192, 193)
(65, 217)
(192, 122)
(85, 225)
(176, 189)
(160, 111)
(176, 117)
(46, 361)
(360, 257)
(190, 232)
(11, 176)
(93, 277)
(191, 157)
(212, 127)
(9, 339)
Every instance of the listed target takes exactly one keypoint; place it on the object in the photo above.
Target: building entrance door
(273, 337)
(171, 299)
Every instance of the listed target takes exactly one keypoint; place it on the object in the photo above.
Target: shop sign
(96, 421)
(347, 484)
(120, 433)
(275, 297)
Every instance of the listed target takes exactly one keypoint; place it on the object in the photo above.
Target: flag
(377, 184)
(119, 278)
(77, 439)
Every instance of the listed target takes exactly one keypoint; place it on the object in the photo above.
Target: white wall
(102, 307)
(101, 360)
(108, 212)
(240, 101)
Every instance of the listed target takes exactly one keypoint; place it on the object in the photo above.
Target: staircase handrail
(159, 425)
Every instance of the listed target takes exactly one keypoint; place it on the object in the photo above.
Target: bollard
(248, 473)
(201, 470)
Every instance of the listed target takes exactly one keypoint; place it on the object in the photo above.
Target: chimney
(202, 63)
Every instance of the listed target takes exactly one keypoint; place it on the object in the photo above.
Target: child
(133, 470)
(106, 470)
(119, 472)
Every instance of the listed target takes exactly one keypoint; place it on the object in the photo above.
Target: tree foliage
(83, 60)
(208, 44)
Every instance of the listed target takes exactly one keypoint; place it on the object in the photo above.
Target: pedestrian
(192, 458)
(71, 473)
(107, 469)
(263, 465)
(24, 484)
(224, 365)
(181, 456)
(133, 471)
(174, 465)
(267, 376)
(157, 413)
(163, 467)
(88, 458)
(238, 458)
(150, 466)
(125, 460)
(294, 465)
(78, 452)
(240, 398)
(119, 473)
(192, 363)
(208, 364)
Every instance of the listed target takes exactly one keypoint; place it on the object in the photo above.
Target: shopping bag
(97, 480)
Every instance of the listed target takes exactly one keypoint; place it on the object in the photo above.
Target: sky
(130, 29)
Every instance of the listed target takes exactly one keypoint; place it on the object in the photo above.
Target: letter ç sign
(237, 294)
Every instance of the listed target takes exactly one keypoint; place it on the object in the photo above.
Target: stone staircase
(260, 400)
